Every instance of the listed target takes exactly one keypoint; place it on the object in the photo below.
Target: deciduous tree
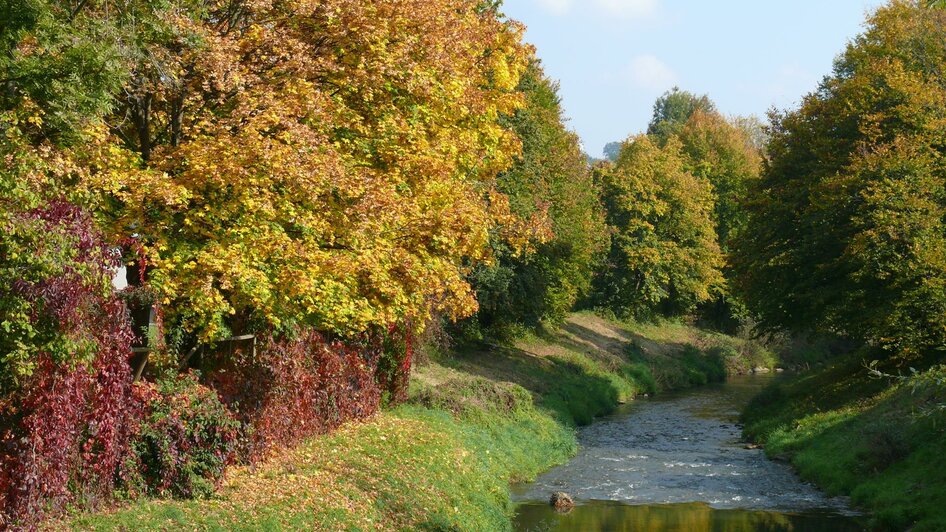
(664, 255)
(329, 163)
(847, 228)
(550, 183)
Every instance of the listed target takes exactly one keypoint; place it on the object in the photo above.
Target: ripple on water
(681, 449)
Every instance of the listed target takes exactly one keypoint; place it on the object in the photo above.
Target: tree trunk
(177, 116)
(142, 117)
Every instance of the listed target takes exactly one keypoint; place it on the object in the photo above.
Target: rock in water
(562, 501)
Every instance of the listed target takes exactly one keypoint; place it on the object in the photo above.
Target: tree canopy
(673, 109)
(846, 229)
(664, 255)
(282, 163)
(550, 181)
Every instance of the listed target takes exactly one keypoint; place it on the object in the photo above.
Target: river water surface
(676, 462)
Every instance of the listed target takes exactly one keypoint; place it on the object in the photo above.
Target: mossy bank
(879, 439)
(477, 421)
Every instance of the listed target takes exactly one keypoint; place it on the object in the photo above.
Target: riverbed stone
(562, 501)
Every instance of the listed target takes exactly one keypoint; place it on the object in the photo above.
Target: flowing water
(677, 462)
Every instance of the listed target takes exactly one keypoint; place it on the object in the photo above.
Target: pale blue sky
(613, 58)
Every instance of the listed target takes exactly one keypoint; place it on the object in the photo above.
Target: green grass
(881, 442)
(411, 468)
(476, 422)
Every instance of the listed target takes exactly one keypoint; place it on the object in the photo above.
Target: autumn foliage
(665, 256)
(328, 164)
(184, 439)
(549, 182)
(290, 389)
(320, 179)
(321, 175)
(66, 409)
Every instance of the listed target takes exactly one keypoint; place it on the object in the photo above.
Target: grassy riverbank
(477, 420)
(881, 441)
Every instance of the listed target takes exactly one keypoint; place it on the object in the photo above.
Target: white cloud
(627, 8)
(623, 8)
(648, 72)
(556, 7)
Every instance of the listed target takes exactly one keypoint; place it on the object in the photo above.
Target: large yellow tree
(328, 163)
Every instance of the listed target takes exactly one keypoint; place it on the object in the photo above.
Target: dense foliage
(185, 439)
(722, 157)
(66, 412)
(320, 180)
(551, 182)
(664, 255)
(673, 110)
(283, 163)
(723, 153)
(288, 389)
(311, 173)
(847, 226)
(339, 178)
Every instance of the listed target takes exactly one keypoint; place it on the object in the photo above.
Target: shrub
(65, 384)
(292, 388)
(885, 443)
(186, 439)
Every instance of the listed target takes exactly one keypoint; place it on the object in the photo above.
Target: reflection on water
(687, 517)
(676, 463)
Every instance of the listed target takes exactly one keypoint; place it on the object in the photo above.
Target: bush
(186, 439)
(293, 388)
(65, 384)
(885, 443)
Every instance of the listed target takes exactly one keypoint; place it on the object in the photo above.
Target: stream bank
(880, 441)
(477, 421)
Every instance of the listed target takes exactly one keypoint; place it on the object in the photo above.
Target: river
(676, 462)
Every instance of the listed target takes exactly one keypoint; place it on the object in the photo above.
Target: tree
(846, 230)
(330, 164)
(723, 154)
(664, 256)
(673, 110)
(61, 67)
(612, 150)
(549, 181)
(58, 64)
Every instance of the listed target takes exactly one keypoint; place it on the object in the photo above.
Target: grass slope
(881, 442)
(477, 421)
